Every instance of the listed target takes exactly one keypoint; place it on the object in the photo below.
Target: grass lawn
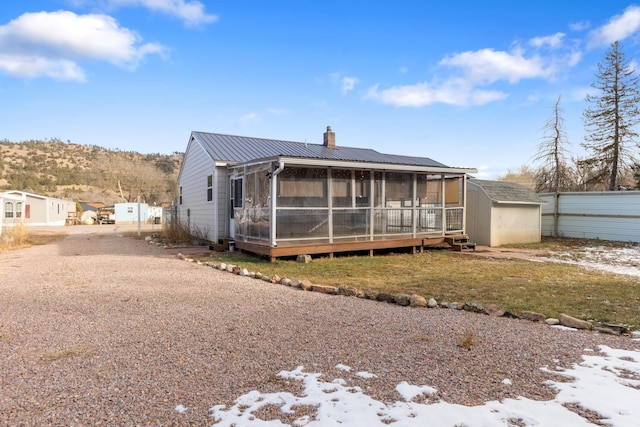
(513, 284)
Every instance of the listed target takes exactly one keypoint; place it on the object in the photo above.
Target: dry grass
(513, 284)
(20, 237)
(468, 340)
(66, 353)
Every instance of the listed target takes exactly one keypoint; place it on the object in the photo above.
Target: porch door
(236, 204)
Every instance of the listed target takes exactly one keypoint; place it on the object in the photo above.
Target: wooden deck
(415, 244)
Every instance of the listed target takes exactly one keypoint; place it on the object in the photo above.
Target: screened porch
(335, 209)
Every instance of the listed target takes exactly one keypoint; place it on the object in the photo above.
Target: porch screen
(302, 204)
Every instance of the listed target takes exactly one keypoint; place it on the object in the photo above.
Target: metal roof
(508, 192)
(242, 149)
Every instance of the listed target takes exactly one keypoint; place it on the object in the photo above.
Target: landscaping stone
(385, 297)
(275, 279)
(494, 310)
(473, 307)
(432, 303)
(417, 301)
(370, 294)
(347, 291)
(306, 285)
(330, 290)
(244, 272)
(552, 321)
(454, 306)
(304, 259)
(572, 322)
(607, 328)
(295, 284)
(532, 316)
(635, 335)
(402, 299)
(222, 266)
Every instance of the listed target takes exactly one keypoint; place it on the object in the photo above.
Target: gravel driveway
(101, 329)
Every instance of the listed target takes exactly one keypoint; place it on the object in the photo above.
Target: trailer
(106, 215)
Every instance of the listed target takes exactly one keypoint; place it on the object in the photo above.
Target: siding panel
(195, 208)
(595, 215)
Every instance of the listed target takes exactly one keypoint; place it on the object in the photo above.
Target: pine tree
(610, 121)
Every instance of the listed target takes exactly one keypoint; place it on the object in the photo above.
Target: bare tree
(609, 123)
(555, 174)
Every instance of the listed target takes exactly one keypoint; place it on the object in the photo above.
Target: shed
(501, 212)
(282, 198)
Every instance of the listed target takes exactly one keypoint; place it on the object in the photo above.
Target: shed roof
(508, 192)
(242, 149)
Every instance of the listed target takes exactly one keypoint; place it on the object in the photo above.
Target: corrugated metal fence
(607, 215)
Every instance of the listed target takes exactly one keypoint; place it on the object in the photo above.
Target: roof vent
(330, 138)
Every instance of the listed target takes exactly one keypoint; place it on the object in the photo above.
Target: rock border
(414, 300)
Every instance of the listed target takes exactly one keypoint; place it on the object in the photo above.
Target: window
(237, 193)
(8, 210)
(209, 188)
(18, 212)
(130, 209)
(180, 201)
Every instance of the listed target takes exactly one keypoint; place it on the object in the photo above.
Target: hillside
(88, 173)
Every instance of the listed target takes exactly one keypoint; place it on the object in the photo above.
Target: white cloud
(453, 92)
(50, 44)
(579, 26)
(249, 118)
(553, 41)
(348, 83)
(473, 71)
(192, 13)
(32, 67)
(488, 65)
(345, 83)
(618, 28)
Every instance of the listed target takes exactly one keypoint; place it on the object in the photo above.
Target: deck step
(458, 243)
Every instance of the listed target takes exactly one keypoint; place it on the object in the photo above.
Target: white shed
(501, 212)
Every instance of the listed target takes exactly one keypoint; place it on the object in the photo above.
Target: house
(35, 210)
(11, 209)
(131, 213)
(500, 212)
(283, 198)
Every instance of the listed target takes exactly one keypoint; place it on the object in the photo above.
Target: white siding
(193, 180)
(221, 195)
(515, 224)
(496, 224)
(595, 215)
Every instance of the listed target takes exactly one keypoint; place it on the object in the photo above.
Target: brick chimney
(330, 138)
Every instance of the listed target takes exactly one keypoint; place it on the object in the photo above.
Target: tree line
(611, 141)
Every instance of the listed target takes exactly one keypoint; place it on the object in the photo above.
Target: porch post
(274, 195)
(464, 204)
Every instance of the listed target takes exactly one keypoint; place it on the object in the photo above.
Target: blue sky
(469, 84)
